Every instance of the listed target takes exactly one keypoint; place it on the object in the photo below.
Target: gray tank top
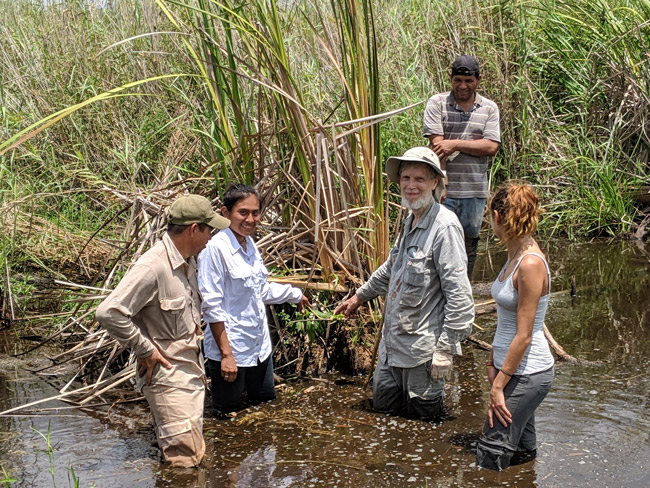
(538, 356)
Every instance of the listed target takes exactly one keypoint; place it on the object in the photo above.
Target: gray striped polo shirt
(467, 174)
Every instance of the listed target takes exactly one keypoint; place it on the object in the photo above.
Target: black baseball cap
(465, 66)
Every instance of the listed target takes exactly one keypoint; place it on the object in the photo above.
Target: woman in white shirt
(234, 288)
(520, 368)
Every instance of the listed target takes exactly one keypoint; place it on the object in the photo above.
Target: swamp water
(593, 428)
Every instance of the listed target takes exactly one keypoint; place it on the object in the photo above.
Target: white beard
(418, 204)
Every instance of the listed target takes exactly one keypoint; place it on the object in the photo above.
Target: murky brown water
(593, 429)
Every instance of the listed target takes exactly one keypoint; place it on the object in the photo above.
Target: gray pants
(409, 392)
(499, 444)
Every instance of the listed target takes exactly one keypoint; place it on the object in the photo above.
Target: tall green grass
(199, 93)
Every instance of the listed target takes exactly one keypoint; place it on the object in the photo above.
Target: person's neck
(240, 239)
(418, 213)
(467, 104)
(517, 247)
(182, 245)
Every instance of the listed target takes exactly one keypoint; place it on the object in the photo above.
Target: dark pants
(256, 380)
(499, 444)
(470, 215)
(409, 392)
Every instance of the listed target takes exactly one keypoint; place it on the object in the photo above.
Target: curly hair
(517, 204)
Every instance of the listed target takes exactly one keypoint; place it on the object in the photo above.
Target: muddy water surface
(593, 428)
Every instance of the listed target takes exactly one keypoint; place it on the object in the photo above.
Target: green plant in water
(7, 479)
(73, 480)
(49, 450)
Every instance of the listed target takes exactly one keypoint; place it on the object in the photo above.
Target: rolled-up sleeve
(134, 292)
(451, 265)
(280, 293)
(211, 285)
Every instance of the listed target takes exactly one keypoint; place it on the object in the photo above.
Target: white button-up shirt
(235, 291)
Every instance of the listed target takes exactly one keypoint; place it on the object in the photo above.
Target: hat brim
(393, 164)
(219, 222)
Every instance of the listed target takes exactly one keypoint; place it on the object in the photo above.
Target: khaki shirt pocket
(173, 312)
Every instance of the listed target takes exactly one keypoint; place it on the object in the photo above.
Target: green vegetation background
(570, 76)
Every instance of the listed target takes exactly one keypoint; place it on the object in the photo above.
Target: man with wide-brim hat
(156, 311)
(429, 306)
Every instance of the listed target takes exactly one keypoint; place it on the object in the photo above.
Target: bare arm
(228, 364)
(530, 281)
(478, 147)
(434, 141)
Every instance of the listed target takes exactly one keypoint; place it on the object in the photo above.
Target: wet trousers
(409, 392)
(498, 444)
(256, 380)
(178, 422)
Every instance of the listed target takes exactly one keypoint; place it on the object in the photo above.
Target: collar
(478, 102)
(175, 257)
(427, 218)
(233, 243)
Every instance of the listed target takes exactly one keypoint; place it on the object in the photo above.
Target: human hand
(444, 147)
(304, 302)
(348, 307)
(497, 407)
(228, 369)
(441, 364)
(148, 363)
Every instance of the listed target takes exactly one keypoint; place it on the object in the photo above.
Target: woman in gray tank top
(520, 368)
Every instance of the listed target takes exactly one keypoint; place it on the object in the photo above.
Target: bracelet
(507, 374)
(489, 363)
(489, 366)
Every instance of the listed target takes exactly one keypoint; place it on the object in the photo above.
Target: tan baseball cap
(195, 209)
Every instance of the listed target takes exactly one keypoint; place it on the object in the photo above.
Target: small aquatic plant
(7, 479)
(73, 480)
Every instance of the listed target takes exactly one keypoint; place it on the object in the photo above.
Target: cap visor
(219, 222)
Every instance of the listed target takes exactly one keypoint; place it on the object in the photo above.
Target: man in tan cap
(429, 306)
(156, 311)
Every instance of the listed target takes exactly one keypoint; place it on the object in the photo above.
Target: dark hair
(517, 204)
(236, 192)
(176, 229)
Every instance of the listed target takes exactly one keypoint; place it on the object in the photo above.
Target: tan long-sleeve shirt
(157, 304)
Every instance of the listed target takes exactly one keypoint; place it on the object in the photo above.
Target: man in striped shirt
(463, 130)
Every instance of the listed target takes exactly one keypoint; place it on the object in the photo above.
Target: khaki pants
(178, 422)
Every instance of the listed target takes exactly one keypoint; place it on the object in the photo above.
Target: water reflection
(594, 427)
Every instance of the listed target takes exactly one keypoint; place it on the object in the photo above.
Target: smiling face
(464, 87)
(244, 216)
(417, 184)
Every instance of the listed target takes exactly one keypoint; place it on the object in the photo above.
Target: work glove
(441, 364)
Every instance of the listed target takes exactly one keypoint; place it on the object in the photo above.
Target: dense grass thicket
(146, 98)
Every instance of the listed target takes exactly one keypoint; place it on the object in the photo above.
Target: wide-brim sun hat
(416, 155)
